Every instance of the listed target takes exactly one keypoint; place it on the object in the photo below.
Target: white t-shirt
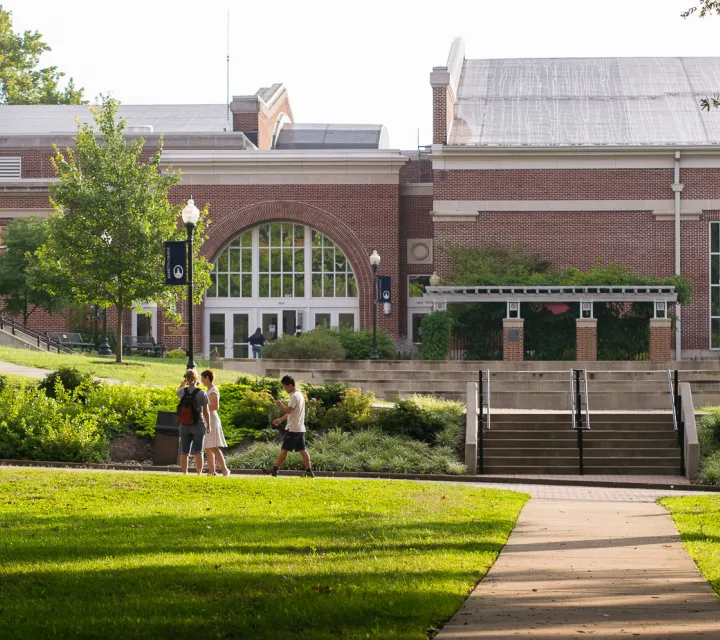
(296, 419)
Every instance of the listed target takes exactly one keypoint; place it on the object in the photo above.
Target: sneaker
(309, 473)
(273, 472)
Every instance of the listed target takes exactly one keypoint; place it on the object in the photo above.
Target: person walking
(294, 440)
(298, 331)
(194, 419)
(215, 438)
(256, 342)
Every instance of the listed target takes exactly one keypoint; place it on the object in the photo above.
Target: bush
(69, 378)
(312, 345)
(255, 411)
(273, 386)
(448, 413)
(408, 419)
(353, 412)
(176, 354)
(367, 450)
(406, 349)
(358, 344)
(328, 395)
(436, 333)
(314, 413)
(710, 469)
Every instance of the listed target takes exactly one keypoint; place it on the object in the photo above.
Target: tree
(23, 237)
(705, 8)
(21, 82)
(112, 214)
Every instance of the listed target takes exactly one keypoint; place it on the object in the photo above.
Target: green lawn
(118, 555)
(139, 370)
(698, 521)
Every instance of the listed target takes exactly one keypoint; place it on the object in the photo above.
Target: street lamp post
(97, 321)
(105, 349)
(374, 263)
(190, 216)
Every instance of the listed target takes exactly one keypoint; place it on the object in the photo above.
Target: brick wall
(440, 114)
(660, 339)
(586, 340)
(513, 350)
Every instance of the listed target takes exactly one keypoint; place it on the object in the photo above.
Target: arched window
(282, 260)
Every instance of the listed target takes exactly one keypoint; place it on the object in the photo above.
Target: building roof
(60, 119)
(332, 136)
(535, 102)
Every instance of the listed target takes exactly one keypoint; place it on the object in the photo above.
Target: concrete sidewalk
(591, 568)
(10, 369)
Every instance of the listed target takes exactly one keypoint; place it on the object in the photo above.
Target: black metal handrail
(678, 421)
(483, 403)
(38, 337)
(578, 400)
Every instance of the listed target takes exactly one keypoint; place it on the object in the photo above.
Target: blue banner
(175, 262)
(384, 291)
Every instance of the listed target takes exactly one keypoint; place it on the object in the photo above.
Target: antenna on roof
(227, 88)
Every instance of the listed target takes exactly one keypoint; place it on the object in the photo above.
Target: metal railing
(678, 421)
(483, 415)
(32, 336)
(578, 402)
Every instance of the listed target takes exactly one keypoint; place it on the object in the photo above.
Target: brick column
(660, 338)
(513, 339)
(586, 339)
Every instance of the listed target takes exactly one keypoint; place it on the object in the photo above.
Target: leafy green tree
(21, 81)
(21, 296)
(702, 9)
(112, 214)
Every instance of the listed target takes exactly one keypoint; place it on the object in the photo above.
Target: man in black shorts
(294, 440)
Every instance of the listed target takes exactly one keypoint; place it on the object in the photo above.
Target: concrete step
(530, 454)
(562, 440)
(571, 468)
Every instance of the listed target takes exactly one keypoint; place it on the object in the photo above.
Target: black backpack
(187, 411)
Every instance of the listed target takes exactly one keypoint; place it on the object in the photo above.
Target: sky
(343, 62)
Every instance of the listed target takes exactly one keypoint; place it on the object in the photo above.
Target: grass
(138, 370)
(697, 518)
(118, 555)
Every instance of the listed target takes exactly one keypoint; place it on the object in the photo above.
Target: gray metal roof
(586, 101)
(332, 136)
(54, 119)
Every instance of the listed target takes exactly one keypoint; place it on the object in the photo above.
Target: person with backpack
(194, 419)
(256, 342)
(294, 440)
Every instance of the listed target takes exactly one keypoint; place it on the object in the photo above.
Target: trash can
(167, 439)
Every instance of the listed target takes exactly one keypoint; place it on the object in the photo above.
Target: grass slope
(138, 370)
(697, 518)
(117, 555)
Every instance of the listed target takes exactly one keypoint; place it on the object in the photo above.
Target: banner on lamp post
(384, 292)
(175, 263)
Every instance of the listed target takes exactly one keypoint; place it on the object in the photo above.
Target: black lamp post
(97, 320)
(105, 349)
(190, 216)
(374, 263)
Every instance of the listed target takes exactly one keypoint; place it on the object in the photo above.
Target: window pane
(240, 351)
(346, 320)
(316, 286)
(417, 285)
(287, 286)
(275, 260)
(322, 320)
(327, 243)
(715, 340)
(340, 262)
(287, 258)
(217, 327)
(299, 286)
(340, 285)
(329, 260)
(212, 290)
(299, 260)
(144, 325)
(222, 280)
(328, 286)
(287, 235)
(264, 235)
(352, 286)
(247, 287)
(715, 237)
(264, 260)
(316, 239)
(715, 301)
(275, 286)
(416, 320)
(223, 261)
(264, 286)
(240, 327)
(234, 260)
(316, 260)
(247, 261)
(234, 285)
(235, 242)
(299, 235)
(275, 234)
(217, 350)
(247, 239)
(715, 269)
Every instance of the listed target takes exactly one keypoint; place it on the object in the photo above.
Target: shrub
(710, 469)
(358, 344)
(255, 410)
(408, 419)
(406, 349)
(273, 386)
(448, 413)
(70, 379)
(436, 333)
(176, 354)
(312, 345)
(366, 450)
(328, 394)
(314, 413)
(353, 411)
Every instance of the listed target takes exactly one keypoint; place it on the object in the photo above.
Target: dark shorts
(294, 441)
(192, 435)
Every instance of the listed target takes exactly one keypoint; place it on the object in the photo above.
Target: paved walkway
(10, 369)
(590, 562)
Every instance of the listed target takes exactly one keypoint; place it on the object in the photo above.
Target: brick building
(579, 159)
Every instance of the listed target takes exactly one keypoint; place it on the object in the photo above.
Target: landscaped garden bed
(117, 555)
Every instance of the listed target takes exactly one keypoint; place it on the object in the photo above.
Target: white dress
(215, 438)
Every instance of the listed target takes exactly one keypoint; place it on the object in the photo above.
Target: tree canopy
(21, 80)
(112, 215)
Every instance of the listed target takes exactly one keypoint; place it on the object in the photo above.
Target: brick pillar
(442, 104)
(513, 339)
(660, 338)
(586, 339)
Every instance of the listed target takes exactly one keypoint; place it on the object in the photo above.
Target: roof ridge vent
(139, 128)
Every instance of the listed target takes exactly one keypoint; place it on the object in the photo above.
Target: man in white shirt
(294, 440)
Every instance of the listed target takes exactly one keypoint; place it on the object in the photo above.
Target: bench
(72, 340)
(142, 343)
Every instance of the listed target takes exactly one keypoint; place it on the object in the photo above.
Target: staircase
(629, 443)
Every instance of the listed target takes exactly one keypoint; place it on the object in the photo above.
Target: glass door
(270, 325)
(289, 322)
(240, 335)
(217, 335)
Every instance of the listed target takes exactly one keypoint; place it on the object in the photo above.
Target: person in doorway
(294, 440)
(256, 342)
(214, 439)
(192, 432)
(298, 331)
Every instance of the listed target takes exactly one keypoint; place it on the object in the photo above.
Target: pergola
(585, 296)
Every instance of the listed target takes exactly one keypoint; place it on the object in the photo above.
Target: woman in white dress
(215, 439)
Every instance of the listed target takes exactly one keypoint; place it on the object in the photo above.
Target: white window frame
(145, 306)
(712, 254)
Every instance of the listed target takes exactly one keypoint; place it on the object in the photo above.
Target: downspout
(677, 187)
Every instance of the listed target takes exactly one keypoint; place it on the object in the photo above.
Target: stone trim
(416, 189)
(24, 213)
